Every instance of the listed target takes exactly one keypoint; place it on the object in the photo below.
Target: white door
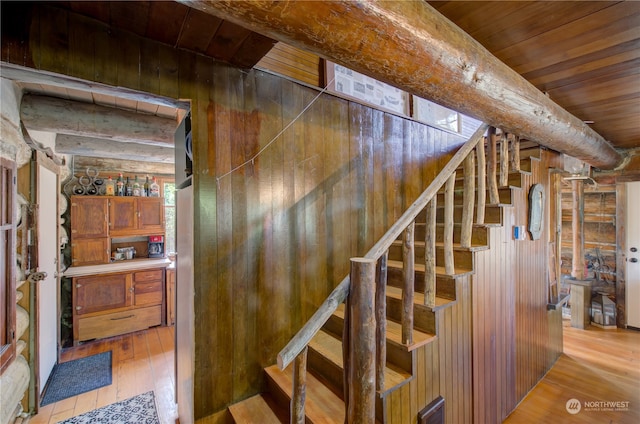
(47, 289)
(633, 255)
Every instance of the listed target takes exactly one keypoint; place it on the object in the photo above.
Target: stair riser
(514, 180)
(395, 355)
(463, 259)
(525, 160)
(504, 196)
(445, 286)
(492, 215)
(281, 398)
(332, 376)
(479, 235)
(423, 318)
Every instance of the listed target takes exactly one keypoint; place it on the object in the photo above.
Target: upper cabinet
(135, 215)
(89, 217)
(95, 219)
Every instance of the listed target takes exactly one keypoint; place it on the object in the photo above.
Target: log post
(514, 152)
(468, 201)
(381, 320)
(577, 224)
(448, 224)
(408, 273)
(504, 160)
(482, 184)
(430, 254)
(494, 197)
(346, 355)
(362, 369)
(299, 388)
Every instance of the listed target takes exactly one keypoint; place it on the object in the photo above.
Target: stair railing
(363, 290)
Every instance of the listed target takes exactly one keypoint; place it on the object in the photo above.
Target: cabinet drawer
(148, 293)
(141, 276)
(118, 323)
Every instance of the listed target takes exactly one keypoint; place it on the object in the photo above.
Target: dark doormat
(139, 409)
(78, 376)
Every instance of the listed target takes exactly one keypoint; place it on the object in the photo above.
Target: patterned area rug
(139, 409)
(78, 376)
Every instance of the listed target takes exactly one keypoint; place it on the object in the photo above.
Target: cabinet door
(151, 214)
(93, 251)
(88, 217)
(123, 215)
(101, 293)
(171, 296)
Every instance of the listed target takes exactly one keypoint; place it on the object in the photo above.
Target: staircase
(318, 395)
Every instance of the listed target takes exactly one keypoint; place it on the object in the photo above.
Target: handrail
(310, 328)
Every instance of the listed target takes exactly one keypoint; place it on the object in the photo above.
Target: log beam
(102, 148)
(411, 46)
(62, 116)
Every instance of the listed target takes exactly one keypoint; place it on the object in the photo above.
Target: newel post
(299, 388)
(361, 408)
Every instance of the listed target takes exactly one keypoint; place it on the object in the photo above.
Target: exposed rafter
(102, 148)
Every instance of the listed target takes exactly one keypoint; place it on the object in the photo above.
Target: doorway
(632, 254)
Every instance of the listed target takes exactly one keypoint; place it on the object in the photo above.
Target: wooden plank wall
(274, 236)
(292, 62)
(443, 368)
(512, 342)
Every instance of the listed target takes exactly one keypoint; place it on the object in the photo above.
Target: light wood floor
(597, 366)
(142, 361)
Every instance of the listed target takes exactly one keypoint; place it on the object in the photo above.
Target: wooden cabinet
(95, 219)
(171, 296)
(136, 215)
(106, 305)
(89, 231)
(89, 217)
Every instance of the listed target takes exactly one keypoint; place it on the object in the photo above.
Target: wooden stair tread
(394, 333)
(440, 271)
(322, 406)
(331, 348)
(253, 410)
(418, 298)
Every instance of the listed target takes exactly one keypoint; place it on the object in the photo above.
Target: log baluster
(299, 387)
(381, 320)
(482, 184)
(494, 197)
(448, 224)
(362, 370)
(408, 273)
(430, 254)
(504, 160)
(468, 200)
(514, 152)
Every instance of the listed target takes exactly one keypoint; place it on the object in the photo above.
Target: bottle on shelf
(154, 189)
(128, 188)
(120, 186)
(145, 187)
(136, 187)
(110, 187)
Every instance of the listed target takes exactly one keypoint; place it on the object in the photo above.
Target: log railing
(363, 291)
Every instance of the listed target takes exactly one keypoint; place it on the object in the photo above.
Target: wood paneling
(293, 63)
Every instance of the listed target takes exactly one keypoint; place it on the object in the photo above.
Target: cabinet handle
(78, 285)
(128, 316)
(78, 308)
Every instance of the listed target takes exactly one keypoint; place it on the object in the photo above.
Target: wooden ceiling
(584, 54)
(180, 26)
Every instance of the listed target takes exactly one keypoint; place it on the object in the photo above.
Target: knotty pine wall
(273, 237)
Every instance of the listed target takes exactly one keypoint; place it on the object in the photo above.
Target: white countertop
(118, 266)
